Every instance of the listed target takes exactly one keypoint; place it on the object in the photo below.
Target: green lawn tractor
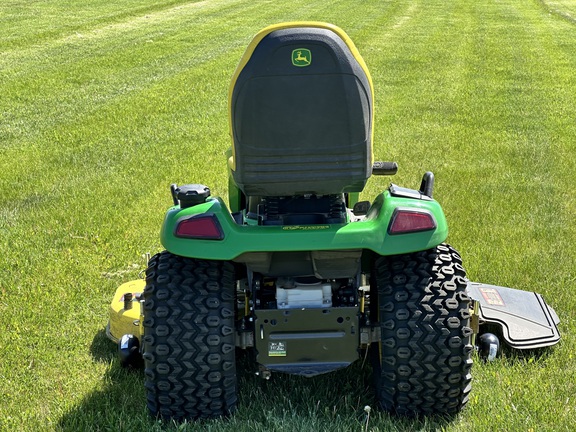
(300, 272)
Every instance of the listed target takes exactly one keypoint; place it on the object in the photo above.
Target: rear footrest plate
(307, 341)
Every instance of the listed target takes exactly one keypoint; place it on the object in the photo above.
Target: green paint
(368, 234)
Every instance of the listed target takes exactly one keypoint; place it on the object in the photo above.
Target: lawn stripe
(94, 127)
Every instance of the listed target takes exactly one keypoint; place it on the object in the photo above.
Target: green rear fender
(370, 233)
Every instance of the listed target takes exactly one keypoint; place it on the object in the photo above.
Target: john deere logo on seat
(301, 57)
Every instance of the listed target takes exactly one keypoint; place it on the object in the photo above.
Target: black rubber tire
(189, 338)
(422, 365)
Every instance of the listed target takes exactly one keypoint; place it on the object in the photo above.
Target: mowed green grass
(104, 104)
(563, 8)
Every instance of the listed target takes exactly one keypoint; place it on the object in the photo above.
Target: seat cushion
(301, 113)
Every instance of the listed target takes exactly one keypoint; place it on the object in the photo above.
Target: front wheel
(422, 363)
(189, 345)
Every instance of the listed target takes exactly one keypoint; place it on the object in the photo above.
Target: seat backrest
(301, 113)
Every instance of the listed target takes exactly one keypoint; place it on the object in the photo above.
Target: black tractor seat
(301, 115)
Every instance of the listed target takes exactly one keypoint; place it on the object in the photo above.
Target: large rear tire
(189, 345)
(422, 364)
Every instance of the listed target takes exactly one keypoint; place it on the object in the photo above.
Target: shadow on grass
(117, 403)
(335, 401)
(102, 349)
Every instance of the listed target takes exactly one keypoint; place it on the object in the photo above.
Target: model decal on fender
(305, 227)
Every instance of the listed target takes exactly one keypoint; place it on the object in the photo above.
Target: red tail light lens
(410, 221)
(200, 227)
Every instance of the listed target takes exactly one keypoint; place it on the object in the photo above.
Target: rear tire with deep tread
(189, 338)
(422, 364)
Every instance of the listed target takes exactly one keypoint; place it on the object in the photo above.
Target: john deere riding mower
(299, 271)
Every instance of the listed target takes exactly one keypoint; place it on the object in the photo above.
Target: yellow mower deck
(121, 320)
(526, 320)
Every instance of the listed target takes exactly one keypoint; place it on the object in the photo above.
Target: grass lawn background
(104, 104)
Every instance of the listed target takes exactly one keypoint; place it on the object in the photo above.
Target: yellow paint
(121, 320)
